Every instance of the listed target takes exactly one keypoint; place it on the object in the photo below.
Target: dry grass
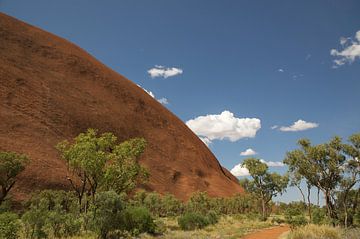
(228, 227)
(322, 232)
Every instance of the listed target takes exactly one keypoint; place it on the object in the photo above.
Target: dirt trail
(269, 233)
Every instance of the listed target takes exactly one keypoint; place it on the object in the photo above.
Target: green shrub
(295, 218)
(212, 217)
(199, 202)
(277, 220)
(171, 206)
(105, 214)
(137, 220)
(192, 221)
(51, 213)
(34, 221)
(9, 225)
(319, 217)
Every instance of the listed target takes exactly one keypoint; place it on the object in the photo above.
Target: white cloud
(239, 170)
(350, 51)
(272, 163)
(224, 126)
(248, 152)
(162, 100)
(205, 140)
(299, 125)
(280, 70)
(165, 72)
(274, 127)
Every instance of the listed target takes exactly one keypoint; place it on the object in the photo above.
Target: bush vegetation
(103, 202)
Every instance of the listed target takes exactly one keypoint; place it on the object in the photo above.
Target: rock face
(51, 90)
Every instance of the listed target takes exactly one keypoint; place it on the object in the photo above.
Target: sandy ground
(270, 233)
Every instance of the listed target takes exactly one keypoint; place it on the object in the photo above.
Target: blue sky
(230, 54)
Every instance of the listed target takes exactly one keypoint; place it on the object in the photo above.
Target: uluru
(52, 90)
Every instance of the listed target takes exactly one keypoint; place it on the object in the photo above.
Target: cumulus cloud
(248, 152)
(205, 140)
(274, 127)
(272, 163)
(350, 50)
(165, 72)
(239, 171)
(299, 125)
(162, 100)
(224, 126)
(280, 70)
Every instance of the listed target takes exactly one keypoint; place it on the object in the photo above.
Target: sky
(249, 77)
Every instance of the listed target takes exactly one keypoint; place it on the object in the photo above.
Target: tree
(295, 181)
(98, 162)
(11, 164)
(264, 184)
(352, 173)
(326, 167)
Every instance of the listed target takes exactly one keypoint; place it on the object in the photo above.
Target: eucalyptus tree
(327, 167)
(99, 162)
(264, 184)
(11, 164)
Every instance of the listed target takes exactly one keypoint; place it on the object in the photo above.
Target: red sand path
(269, 233)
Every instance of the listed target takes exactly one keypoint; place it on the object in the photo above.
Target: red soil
(270, 233)
(51, 90)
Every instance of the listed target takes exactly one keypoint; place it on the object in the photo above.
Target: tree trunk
(263, 209)
(330, 207)
(309, 202)
(318, 197)
(302, 194)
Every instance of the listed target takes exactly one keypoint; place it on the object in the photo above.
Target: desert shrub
(153, 202)
(315, 232)
(277, 220)
(105, 213)
(137, 220)
(192, 221)
(171, 206)
(9, 225)
(212, 217)
(295, 217)
(51, 213)
(34, 221)
(319, 217)
(199, 202)
(253, 216)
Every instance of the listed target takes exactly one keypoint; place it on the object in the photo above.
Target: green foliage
(11, 164)
(212, 217)
(52, 213)
(160, 206)
(9, 225)
(192, 221)
(101, 163)
(105, 214)
(295, 218)
(199, 202)
(137, 220)
(264, 185)
(277, 220)
(171, 205)
(330, 167)
(319, 216)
